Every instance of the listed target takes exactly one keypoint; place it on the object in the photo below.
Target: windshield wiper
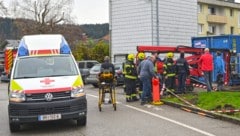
(25, 77)
(55, 75)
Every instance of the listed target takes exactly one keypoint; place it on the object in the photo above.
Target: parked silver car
(93, 76)
(85, 66)
(95, 70)
(119, 73)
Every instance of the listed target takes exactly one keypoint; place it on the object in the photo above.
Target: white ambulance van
(45, 83)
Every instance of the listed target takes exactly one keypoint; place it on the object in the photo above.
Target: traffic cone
(155, 92)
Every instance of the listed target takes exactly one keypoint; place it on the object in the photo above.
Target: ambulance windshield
(42, 66)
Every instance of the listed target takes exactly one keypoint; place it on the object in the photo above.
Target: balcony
(217, 19)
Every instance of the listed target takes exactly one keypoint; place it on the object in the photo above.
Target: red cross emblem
(46, 81)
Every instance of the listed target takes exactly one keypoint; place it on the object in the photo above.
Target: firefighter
(141, 57)
(124, 72)
(130, 78)
(169, 71)
(182, 71)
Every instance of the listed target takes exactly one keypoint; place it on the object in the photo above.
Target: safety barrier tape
(196, 112)
(226, 111)
(203, 86)
(183, 100)
(193, 106)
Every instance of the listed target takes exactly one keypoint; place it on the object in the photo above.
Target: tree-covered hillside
(96, 31)
(16, 28)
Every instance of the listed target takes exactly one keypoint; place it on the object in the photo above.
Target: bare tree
(3, 9)
(46, 13)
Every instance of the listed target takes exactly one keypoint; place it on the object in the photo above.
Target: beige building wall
(225, 17)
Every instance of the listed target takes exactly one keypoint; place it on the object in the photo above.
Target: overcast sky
(91, 11)
(87, 11)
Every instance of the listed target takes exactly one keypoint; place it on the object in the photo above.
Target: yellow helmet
(170, 55)
(130, 57)
(141, 55)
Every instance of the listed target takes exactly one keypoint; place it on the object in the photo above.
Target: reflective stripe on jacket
(169, 68)
(130, 70)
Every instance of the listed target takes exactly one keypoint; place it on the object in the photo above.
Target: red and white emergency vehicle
(9, 55)
(45, 83)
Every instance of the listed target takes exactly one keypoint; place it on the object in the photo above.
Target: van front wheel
(14, 127)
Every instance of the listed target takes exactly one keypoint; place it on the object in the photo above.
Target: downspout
(157, 22)
(110, 30)
(152, 19)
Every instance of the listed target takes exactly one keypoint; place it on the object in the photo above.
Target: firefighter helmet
(141, 56)
(130, 57)
(170, 55)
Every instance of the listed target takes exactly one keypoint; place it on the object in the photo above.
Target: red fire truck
(193, 54)
(10, 52)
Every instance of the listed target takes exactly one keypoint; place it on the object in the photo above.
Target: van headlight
(17, 96)
(77, 92)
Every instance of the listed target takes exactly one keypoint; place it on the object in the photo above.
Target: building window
(200, 28)
(231, 12)
(232, 30)
(199, 8)
(211, 29)
(212, 10)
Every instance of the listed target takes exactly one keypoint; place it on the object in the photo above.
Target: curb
(203, 112)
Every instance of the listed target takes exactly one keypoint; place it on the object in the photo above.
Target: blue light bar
(22, 49)
(64, 47)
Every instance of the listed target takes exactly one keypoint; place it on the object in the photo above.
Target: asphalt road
(130, 119)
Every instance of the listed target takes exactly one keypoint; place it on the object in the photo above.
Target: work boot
(140, 94)
(128, 100)
(143, 103)
(134, 98)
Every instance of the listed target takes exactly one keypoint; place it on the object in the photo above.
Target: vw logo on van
(48, 97)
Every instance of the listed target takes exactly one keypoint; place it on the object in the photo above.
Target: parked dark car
(93, 76)
(85, 66)
(119, 73)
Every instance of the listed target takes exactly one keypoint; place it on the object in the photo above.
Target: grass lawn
(212, 101)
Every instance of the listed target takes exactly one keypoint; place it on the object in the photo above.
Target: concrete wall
(177, 21)
(134, 22)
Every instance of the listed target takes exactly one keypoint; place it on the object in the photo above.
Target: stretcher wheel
(99, 107)
(100, 99)
(115, 106)
(113, 96)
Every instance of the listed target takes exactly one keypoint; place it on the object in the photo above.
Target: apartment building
(218, 17)
(150, 22)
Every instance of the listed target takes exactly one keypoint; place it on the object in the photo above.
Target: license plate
(49, 117)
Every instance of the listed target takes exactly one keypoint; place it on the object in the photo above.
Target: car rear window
(96, 68)
(118, 66)
(91, 64)
(81, 64)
